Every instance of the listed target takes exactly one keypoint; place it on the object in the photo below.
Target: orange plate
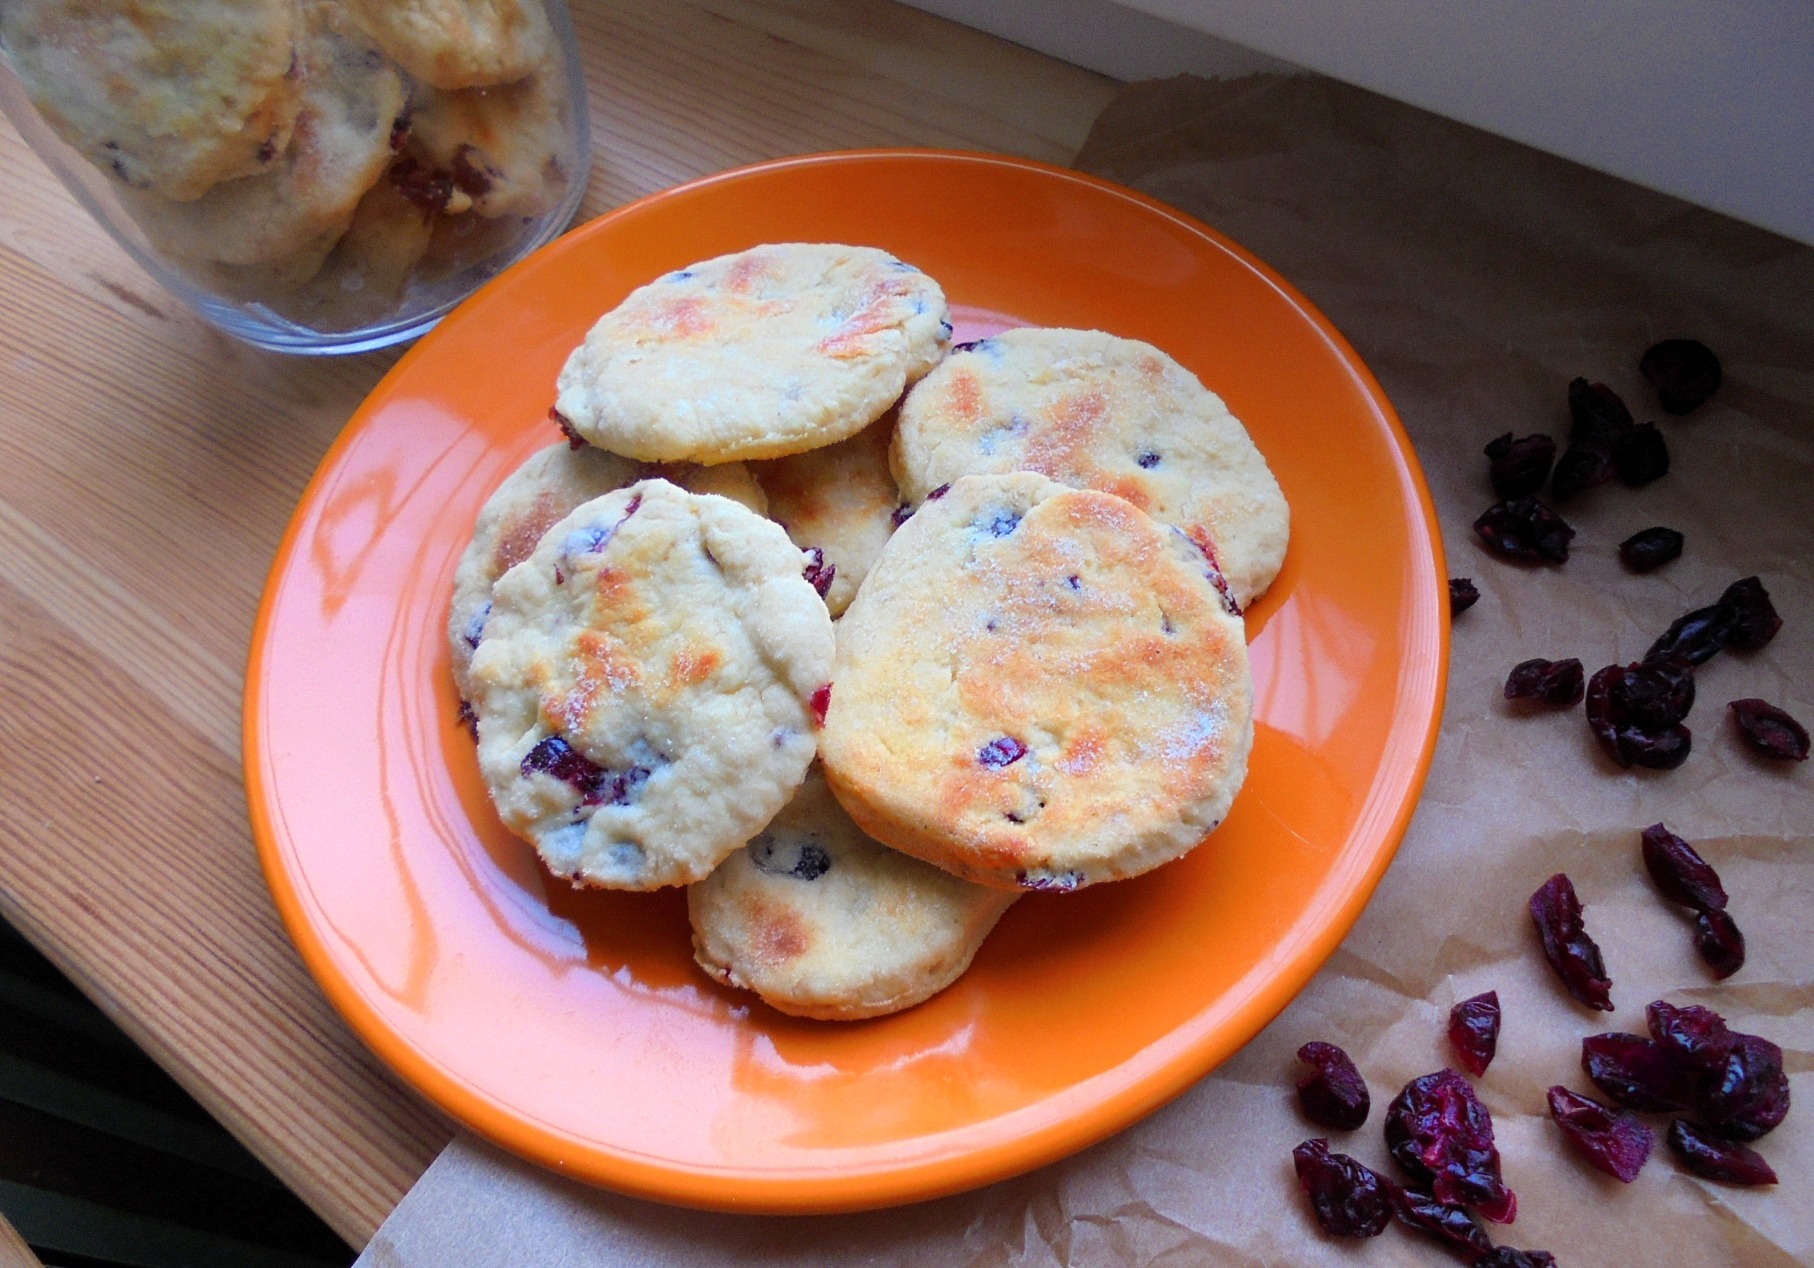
(572, 1027)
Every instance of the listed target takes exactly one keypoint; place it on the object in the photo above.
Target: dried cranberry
(1441, 1134)
(1474, 1031)
(902, 514)
(1711, 1158)
(1574, 956)
(938, 493)
(1637, 1072)
(1721, 944)
(1771, 731)
(1002, 751)
(399, 131)
(1507, 1257)
(1650, 549)
(1695, 1038)
(1580, 469)
(1694, 637)
(1559, 682)
(1753, 618)
(574, 439)
(426, 188)
(1333, 1094)
(468, 719)
(1350, 1199)
(1520, 466)
(1639, 455)
(819, 702)
(1450, 1225)
(1636, 712)
(1684, 371)
(1596, 413)
(1747, 1095)
(1612, 1140)
(1462, 595)
(1525, 529)
(595, 785)
(817, 572)
(1680, 873)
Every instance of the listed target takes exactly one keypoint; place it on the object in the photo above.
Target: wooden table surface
(148, 466)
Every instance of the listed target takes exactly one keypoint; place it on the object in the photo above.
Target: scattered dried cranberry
(1637, 1072)
(1695, 1038)
(1350, 1199)
(1547, 681)
(1525, 529)
(1721, 944)
(1333, 1094)
(1771, 731)
(817, 572)
(1462, 595)
(1684, 371)
(1753, 618)
(1450, 1225)
(1639, 455)
(1507, 1257)
(1596, 413)
(1580, 469)
(1574, 955)
(1520, 466)
(1748, 1093)
(574, 439)
(1474, 1031)
(1612, 1140)
(1441, 1134)
(1651, 549)
(819, 702)
(1636, 711)
(1000, 752)
(1711, 1158)
(1694, 637)
(1680, 873)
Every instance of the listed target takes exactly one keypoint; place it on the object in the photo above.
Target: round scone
(643, 687)
(1038, 687)
(169, 96)
(538, 495)
(1099, 412)
(774, 350)
(351, 99)
(840, 501)
(460, 43)
(821, 921)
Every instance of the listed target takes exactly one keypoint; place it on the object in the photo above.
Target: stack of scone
(313, 155)
(993, 589)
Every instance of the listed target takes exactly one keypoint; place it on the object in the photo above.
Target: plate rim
(825, 1191)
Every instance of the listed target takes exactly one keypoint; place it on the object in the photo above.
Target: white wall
(1710, 100)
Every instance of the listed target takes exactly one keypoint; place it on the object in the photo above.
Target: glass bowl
(358, 202)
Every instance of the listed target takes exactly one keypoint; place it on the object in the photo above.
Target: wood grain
(14, 1253)
(148, 466)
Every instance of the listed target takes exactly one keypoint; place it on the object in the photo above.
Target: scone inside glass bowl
(311, 177)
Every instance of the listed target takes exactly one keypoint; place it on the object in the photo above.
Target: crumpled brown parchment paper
(1476, 277)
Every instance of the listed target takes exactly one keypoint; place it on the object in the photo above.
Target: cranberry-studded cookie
(351, 101)
(840, 501)
(643, 686)
(1098, 412)
(460, 43)
(538, 495)
(1038, 687)
(169, 96)
(772, 351)
(822, 921)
